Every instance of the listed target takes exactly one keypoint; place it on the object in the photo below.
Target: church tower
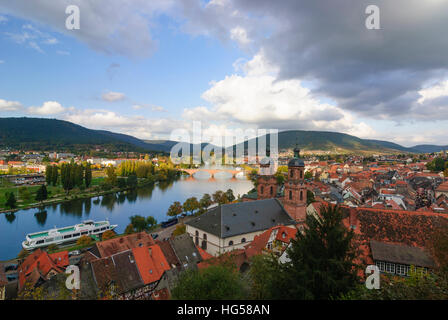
(267, 183)
(294, 199)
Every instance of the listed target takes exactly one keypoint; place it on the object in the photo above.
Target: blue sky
(149, 68)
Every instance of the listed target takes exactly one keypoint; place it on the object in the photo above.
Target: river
(150, 200)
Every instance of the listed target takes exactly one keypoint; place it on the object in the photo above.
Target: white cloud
(151, 107)
(48, 108)
(10, 105)
(107, 26)
(35, 46)
(137, 126)
(259, 100)
(51, 41)
(113, 96)
(436, 91)
(239, 34)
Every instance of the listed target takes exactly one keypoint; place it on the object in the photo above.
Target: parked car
(12, 277)
(11, 267)
(74, 253)
(170, 222)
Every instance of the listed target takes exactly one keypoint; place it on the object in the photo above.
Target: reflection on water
(41, 217)
(151, 200)
(10, 217)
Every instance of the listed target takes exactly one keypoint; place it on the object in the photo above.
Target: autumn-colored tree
(129, 229)
(23, 254)
(191, 204)
(84, 241)
(175, 209)
(180, 229)
(109, 234)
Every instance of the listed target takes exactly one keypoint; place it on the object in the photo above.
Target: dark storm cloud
(376, 73)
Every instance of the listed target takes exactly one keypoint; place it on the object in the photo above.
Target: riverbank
(79, 195)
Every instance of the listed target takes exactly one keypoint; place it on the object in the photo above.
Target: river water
(151, 200)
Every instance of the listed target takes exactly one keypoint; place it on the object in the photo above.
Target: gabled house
(233, 226)
(397, 259)
(40, 266)
(3, 282)
(113, 246)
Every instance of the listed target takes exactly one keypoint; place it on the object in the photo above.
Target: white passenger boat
(67, 234)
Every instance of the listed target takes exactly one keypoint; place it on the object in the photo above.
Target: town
(392, 203)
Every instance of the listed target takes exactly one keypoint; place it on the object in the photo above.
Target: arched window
(243, 240)
(204, 242)
(301, 195)
(261, 189)
(301, 174)
(272, 191)
(197, 237)
(290, 195)
(230, 243)
(291, 173)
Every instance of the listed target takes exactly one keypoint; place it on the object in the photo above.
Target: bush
(180, 229)
(109, 234)
(84, 241)
(213, 283)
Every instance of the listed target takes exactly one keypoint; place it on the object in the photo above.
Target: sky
(149, 68)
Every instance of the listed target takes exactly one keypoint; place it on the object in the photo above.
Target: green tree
(54, 175)
(190, 205)
(321, 260)
(88, 175)
(212, 283)
(132, 181)
(205, 201)
(129, 229)
(24, 193)
(49, 174)
(41, 194)
(111, 176)
(308, 175)
(10, 200)
(229, 195)
(121, 182)
(253, 176)
(151, 222)
(219, 197)
(139, 223)
(263, 271)
(417, 286)
(175, 209)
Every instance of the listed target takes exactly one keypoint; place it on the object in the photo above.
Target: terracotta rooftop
(151, 263)
(113, 246)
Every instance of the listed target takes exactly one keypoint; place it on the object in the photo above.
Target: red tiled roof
(38, 261)
(238, 257)
(204, 254)
(112, 246)
(151, 263)
(60, 259)
(3, 280)
(162, 294)
(443, 187)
